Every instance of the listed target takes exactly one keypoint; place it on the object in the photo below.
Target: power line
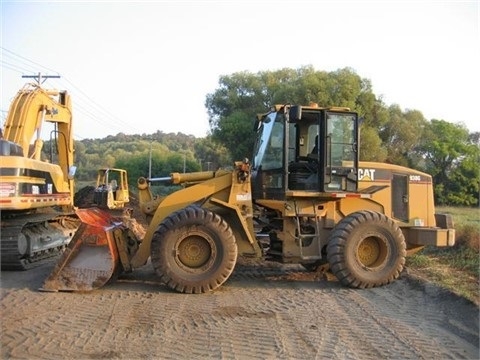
(102, 109)
(27, 60)
(83, 103)
(13, 67)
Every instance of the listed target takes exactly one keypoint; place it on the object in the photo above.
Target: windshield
(269, 146)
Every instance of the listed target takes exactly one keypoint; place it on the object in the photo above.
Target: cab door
(339, 132)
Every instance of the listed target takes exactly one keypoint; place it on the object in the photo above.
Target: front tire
(366, 249)
(194, 250)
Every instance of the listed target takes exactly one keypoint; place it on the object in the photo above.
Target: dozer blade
(91, 257)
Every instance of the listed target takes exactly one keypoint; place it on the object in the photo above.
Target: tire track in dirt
(444, 321)
(398, 339)
(262, 311)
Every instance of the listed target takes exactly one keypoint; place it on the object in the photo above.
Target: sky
(138, 67)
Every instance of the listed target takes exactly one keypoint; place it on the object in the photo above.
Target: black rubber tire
(194, 250)
(366, 249)
(312, 267)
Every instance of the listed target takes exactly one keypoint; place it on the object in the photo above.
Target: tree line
(445, 150)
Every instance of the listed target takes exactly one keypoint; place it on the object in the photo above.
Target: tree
(401, 134)
(371, 148)
(210, 154)
(236, 135)
(453, 161)
(233, 106)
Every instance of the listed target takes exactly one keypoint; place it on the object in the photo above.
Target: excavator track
(31, 240)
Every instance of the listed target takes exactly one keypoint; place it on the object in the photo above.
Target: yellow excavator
(37, 186)
(36, 190)
(303, 198)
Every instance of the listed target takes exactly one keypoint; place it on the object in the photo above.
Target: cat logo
(366, 174)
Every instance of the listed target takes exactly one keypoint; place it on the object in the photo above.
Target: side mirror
(71, 172)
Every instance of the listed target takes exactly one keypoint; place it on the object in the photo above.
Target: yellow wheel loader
(303, 198)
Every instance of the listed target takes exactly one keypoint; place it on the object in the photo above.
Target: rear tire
(194, 250)
(366, 249)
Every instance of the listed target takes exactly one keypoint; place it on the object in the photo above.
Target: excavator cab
(305, 148)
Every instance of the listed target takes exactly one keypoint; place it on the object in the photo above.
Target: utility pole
(150, 161)
(40, 78)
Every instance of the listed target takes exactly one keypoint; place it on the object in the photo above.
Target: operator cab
(307, 149)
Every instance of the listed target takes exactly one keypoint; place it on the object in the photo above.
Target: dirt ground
(263, 311)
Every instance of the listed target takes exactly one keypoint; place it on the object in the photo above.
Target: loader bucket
(91, 257)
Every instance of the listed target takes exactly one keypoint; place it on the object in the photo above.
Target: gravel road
(264, 311)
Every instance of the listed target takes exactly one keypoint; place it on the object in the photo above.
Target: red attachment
(91, 257)
(97, 217)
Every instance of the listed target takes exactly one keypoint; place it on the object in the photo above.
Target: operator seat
(303, 174)
(315, 148)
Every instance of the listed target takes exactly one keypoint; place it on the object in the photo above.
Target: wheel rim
(372, 252)
(195, 252)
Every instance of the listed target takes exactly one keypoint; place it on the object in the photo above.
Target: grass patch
(456, 268)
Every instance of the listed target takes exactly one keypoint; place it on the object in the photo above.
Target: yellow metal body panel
(8, 184)
(420, 190)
